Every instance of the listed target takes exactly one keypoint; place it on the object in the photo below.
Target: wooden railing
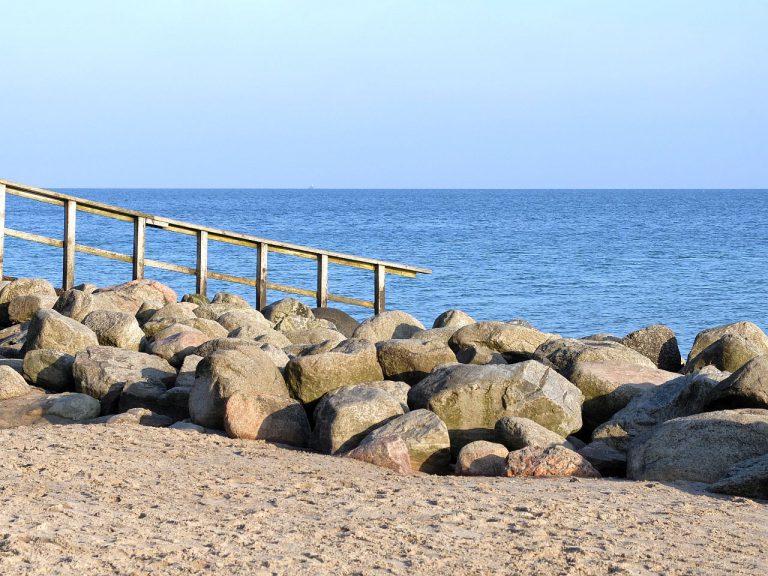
(204, 234)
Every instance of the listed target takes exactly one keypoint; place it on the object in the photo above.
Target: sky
(385, 94)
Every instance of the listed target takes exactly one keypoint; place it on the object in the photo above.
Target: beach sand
(136, 500)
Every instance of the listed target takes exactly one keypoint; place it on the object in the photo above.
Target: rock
(748, 479)
(389, 452)
(16, 363)
(77, 305)
(605, 459)
(350, 362)
(295, 350)
(298, 323)
(72, 406)
(729, 353)
(388, 325)
(241, 344)
(260, 331)
(103, 372)
(186, 376)
(22, 308)
(442, 335)
(286, 307)
(398, 390)
(226, 372)
(19, 288)
(699, 448)
(516, 433)
(178, 346)
(746, 330)
(50, 369)
(146, 394)
(745, 388)
(12, 384)
(471, 399)
(344, 322)
(49, 329)
(602, 338)
(174, 403)
(454, 319)
(278, 357)
(345, 416)
(609, 386)
(115, 329)
(242, 318)
(135, 417)
(314, 336)
(658, 343)
(187, 427)
(38, 408)
(232, 300)
(554, 461)
(12, 340)
(564, 353)
(269, 418)
(198, 299)
(481, 458)
(144, 290)
(411, 360)
(175, 311)
(167, 330)
(213, 311)
(210, 328)
(425, 435)
(682, 396)
(272, 337)
(478, 343)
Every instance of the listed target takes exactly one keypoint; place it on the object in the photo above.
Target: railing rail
(204, 234)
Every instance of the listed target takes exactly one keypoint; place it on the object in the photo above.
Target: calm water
(571, 262)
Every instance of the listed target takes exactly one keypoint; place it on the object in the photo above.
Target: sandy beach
(136, 500)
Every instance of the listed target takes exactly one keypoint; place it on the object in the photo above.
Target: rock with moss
(747, 330)
(412, 360)
(729, 353)
(50, 369)
(113, 328)
(477, 343)
(50, 330)
(658, 343)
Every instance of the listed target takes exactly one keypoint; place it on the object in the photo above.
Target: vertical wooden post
(202, 262)
(379, 294)
(322, 280)
(70, 219)
(139, 246)
(261, 276)
(2, 229)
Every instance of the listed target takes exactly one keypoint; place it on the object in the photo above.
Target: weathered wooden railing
(140, 221)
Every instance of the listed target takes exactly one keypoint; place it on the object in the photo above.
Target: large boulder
(344, 322)
(19, 288)
(223, 373)
(313, 336)
(564, 353)
(22, 308)
(554, 461)
(145, 290)
(350, 362)
(699, 448)
(399, 390)
(388, 325)
(49, 369)
(605, 459)
(12, 384)
(745, 388)
(388, 452)
(481, 458)
(265, 417)
(12, 340)
(683, 396)
(429, 446)
(230, 299)
(103, 372)
(471, 399)
(37, 408)
(345, 416)
(658, 343)
(211, 346)
(453, 318)
(50, 330)
(286, 307)
(411, 360)
(517, 433)
(299, 323)
(174, 311)
(176, 347)
(244, 318)
(77, 304)
(477, 343)
(729, 353)
(746, 330)
(610, 386)
(748, 478)
(114, 328)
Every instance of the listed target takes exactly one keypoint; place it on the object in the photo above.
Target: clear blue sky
(362, 93)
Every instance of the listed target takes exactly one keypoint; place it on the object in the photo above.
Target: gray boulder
(658, 343)
(244, 318)
(471, 399)
(481, 458)
(398, 390)
(344, 322)
(114, 328)
(477, 343)
(230, 300)
(699, 448)
(411, 360)
(269, 418)
(50, 330)
(19, 288)
(345, 416)
(145, 290)
(729, 352)
(12, 340)
(388, 325)
(748, 479)
(22, 308)
(313, 336)
(178, 346)
(12, 384)
(453, 318)
(50, 369)
(286, 307)
(745, 388)
(516, 433)
(746, 330)
(605, 459)
(564, 353)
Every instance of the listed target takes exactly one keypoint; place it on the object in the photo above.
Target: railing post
(261, 276)
(2, 229)
(139, 246)
(70, 219)
(202, 262)
(322, 280)
(379, 294)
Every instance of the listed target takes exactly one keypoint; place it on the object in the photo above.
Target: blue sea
(573, 262)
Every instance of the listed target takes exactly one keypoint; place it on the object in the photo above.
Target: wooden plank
(34, 237)
(106, 213)
(261, 276)
(231, 278)
(70, 223)
(36, 197)
(139, 246)
(322, 281)
(2, 228)
(292, 290)
(351, 301)
(379, 289)
(119, 256)
(170, 267)
(202, 263)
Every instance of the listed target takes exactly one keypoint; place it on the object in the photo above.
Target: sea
(571, 262)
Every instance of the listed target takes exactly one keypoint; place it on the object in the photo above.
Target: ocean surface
(573, 262)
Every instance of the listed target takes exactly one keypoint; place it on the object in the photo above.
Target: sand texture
(134, 500)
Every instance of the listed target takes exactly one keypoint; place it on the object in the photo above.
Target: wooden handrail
(204, 234)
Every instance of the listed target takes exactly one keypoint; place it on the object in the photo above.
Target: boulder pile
(464, 397)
